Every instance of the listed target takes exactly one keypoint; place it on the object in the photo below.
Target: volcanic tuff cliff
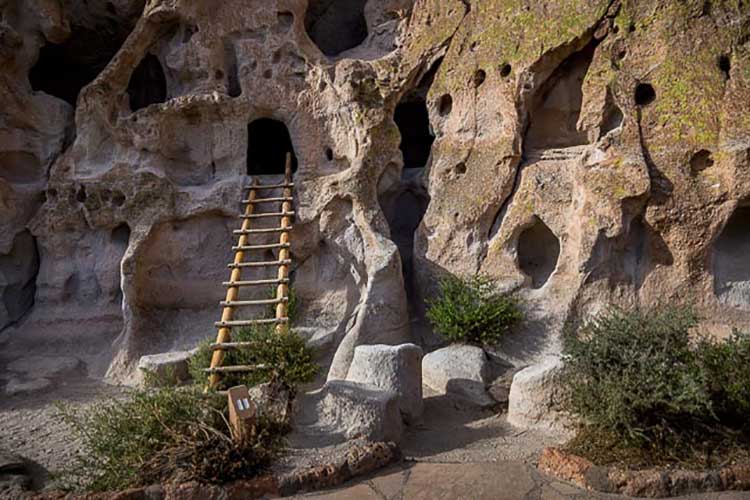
(581, 152)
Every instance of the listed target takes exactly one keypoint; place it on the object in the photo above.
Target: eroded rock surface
(580, 152)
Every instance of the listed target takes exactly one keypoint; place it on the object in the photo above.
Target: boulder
(392, 368)
(348, 410)
(459, 370)
(166, 366)
(272, 400)
(534, 400)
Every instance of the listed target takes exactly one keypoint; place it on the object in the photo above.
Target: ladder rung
(236, 368)
(262, 231)
(243, 248)
(270, 263)
(234, 303)
(249, 322)
(268, 200)
(270, 214)
(255, 282)
(271, 186)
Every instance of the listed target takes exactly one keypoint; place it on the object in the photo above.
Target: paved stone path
(508, 480)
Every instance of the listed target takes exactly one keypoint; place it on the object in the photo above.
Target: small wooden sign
(241, 412)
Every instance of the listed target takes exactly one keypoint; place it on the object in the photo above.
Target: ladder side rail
(282, 291)
(227, 313)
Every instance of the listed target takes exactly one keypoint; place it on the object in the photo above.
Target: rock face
(166, 366)
(460, 370)
(603, 158)
(392, 368)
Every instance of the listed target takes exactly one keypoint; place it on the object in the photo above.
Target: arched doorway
(268, 142)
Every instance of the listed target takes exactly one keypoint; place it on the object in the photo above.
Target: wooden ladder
(232, 300)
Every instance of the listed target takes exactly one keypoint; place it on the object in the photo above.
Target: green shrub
(472, 310)
(638, 377)
(164, 433)
(285, 356)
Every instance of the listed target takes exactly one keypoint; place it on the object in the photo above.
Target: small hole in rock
(460, 169)
(445, 106)
(219, 75)
(700, 161)
(336, 25)
(81, 194)
(644, 94)
(725, 65)
(479, 77)
(505, 70)
(118, 199)
(286, 19)
(267, 74)
(329, 154)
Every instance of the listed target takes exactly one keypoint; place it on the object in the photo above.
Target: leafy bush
(472, 310)
(161, 434)
(284, 355)
(638, 377)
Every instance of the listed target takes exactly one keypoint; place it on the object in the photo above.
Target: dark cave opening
(336, 25)
(413, 123)
(700, 161)
(556, 108)
(730, 262)
(538, 252)
(147, 84)
(97, 33)
(268, 142)
(644, 94)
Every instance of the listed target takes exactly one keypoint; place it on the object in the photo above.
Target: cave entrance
(538, 252)
(731, 266)
(413, 122)
(147, 85)
(96, 35)
(555, 110)
(336, 25)
(268, 142)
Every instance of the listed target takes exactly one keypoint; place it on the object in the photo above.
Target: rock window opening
(413, 123)
(479, 77)
(147, 85)
(538, 252)
(730, 262)
(445, 106)
(336, 25)
(268, 142)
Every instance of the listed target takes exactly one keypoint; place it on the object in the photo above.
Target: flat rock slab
(459, 370)
(392, 368)
(44, 366)
(17, 385)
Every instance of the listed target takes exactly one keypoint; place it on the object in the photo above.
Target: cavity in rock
(147, 85)
(538, 251)
(18, 271)
(336, 25)
(730, 261)
(556, 107)
(268, 142)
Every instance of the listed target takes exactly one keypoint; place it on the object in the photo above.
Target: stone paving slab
(505, 480)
